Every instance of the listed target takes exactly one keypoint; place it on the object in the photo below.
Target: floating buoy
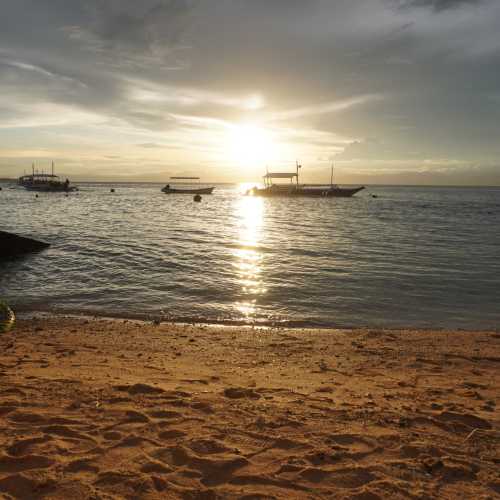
(7, 317)
(374, 196)
(36, 196)
(112, 190)
(197, 198)
(0, 188)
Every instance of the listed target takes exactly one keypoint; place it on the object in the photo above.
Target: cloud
(465, 174)
(437, 5)
(150, 145)
(148, 26)
(95, 77)
(324, 108)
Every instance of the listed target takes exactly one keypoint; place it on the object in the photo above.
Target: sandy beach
(120, 409)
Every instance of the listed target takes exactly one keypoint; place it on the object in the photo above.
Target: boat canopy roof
(280, 175)
(186, 178)
(40, 176)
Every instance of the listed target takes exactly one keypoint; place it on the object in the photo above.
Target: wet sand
(114, 409)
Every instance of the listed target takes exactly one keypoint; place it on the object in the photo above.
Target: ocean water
(412, 257)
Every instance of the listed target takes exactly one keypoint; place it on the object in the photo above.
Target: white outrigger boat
(40, 181)
(189, 188)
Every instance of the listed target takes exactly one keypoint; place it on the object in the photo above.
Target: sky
(388, 91)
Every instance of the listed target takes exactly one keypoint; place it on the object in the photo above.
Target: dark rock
(12, 245)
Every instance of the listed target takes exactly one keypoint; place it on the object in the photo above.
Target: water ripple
(411, 257)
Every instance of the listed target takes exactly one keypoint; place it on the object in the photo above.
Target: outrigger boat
(37, 181)
(295, 189)
(168, 189)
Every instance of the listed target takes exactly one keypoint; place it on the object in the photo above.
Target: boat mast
(331, 176)
(52, 168)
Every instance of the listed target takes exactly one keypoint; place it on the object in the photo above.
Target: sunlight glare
(248, 258)
(251, 146)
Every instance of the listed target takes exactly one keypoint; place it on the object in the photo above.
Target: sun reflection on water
(248, 254)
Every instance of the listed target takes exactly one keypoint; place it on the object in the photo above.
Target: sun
(251, 146)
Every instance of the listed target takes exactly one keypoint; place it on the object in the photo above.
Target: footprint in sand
(139, 389)
(419, 450)
(27, 462)
(81, 465)
(19, 486)
(171, 434)
(240, 392)
(112, 435)
(133, 441)
(348, 478)
(213, 470)
(135, 417)
(465, 419)
(113, 478)
(164, 414)
(155, 468)
(22, 446)
(27, 418)
(7, 408)
(64, 431)
(322, 457)
(13, 392)
(351, 445)
(203, 407)
(208, 446)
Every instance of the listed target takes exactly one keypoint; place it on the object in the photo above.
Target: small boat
(189, 189)
(37, 181)
(294, 189)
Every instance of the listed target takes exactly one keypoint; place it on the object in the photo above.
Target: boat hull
(293, 192)
(51, 189)
(188, 191)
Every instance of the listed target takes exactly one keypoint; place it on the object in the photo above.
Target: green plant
(7, 317)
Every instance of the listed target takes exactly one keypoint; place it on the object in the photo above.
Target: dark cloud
(437, 5)
(145, 26)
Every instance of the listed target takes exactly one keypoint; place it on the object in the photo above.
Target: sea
(390, 257)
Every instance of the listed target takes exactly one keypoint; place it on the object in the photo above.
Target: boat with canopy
(294, 188)
(187, 185)
(40, 181)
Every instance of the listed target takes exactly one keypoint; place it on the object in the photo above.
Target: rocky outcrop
(12, 245)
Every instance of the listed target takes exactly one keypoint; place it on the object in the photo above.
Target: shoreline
(158, 319)
(124, 409)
